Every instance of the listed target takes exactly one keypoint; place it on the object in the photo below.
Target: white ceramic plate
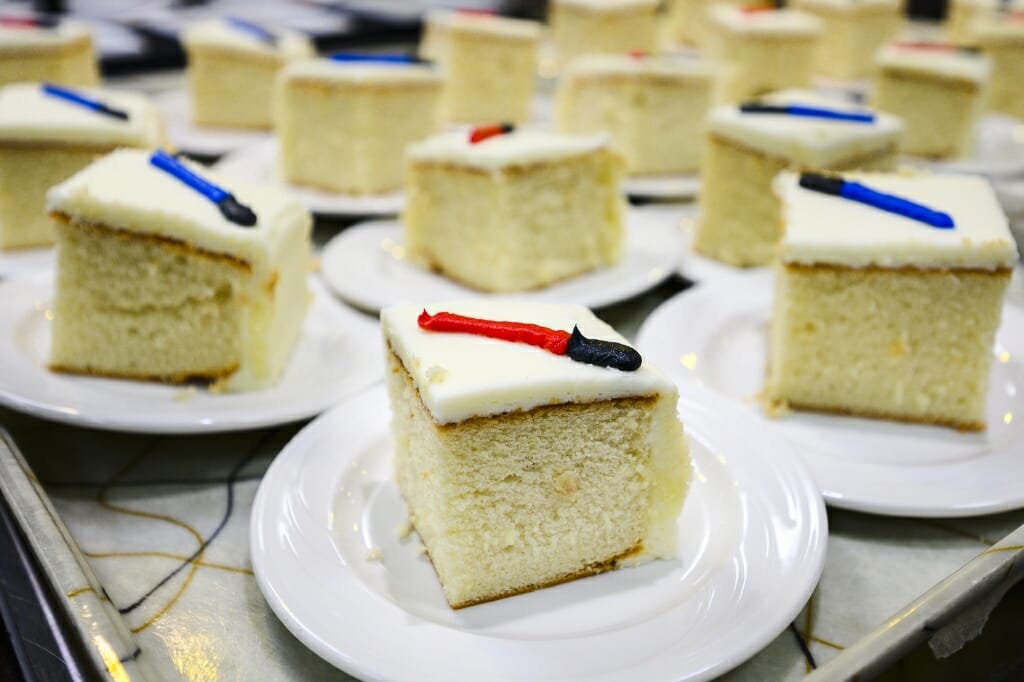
(998, 151)
(337, 355)
(716, 336)
(752, 543)
(258, 163)
(366, 265)
(186, 136)
(25, 261)
(699, 268)
(663, 186)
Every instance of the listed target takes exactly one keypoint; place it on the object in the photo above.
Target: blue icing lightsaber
(83, 101)
(854, 191)
(232, 209)
(385, 58)
(807, 111)
(255, 30)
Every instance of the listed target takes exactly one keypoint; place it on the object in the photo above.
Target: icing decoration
(30, 22)
(255, 30)
(574, 345)
(81, 100)
(855, 191)
(758, 9)
(481, 133)
(381, 58)
(232, 209)
(935, 46)
(807, 111)
(638, 54)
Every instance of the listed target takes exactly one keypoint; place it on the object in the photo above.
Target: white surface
(361, 73)
(764, 23)
(258, 163)
(123, 190)
(521, 146)
(337, 355)
(20, 262)
(223, 35)
(186, 136)
(366, 265)
(697, 267)
(716, 336)
(27, 113)
(822, 228)
(459, 376)
(663, 186)
(752, 541)
(998, 150)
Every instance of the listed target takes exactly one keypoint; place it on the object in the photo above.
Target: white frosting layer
(27, 114)
(609, 5)
(359, 73)
(998, 26)
(953, 64)
(18, 37)
(517, 148)
(484, 24)
(811, 142)
(786, 22)
(460, 376)
(221, 34)
(825, 229)
(124, 191)
(661, 66)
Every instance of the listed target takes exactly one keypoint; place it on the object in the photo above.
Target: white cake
(853, 30)
(514, 211)
(45, 139)
(344, 126)
(881, 315)
(963, 16)
(762, 49)
(155, 282)
(522, 468)
(232, 64)
(739, 221)
(606, 26)
(937, 89)
(59, 53)
(652, 106)
(1001, 37)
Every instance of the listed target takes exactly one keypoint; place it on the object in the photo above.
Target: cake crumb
(185, 395)
(420, 549)
(404, 529)
(314, 264)
(774, 408)
(374, 554)
(219, 386)
(436, 375)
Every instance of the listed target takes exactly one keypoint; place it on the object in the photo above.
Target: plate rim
(800, 481)
(359, 230)
(669, 310)
(11, 399)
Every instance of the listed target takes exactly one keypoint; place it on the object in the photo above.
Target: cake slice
(524, 468)
(748, 145)
(343, 123)
(963, 15)
(606, 26)
(46, 49)
(937, 89)
(880, 314)
(166, 274)
(489, 64)
(652, 106)
(510, 210)
(762, 48)
(1001, 37)
(48, 133)
(854, 31)
(232, 64)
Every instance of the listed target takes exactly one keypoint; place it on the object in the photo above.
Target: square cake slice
(853, 30)
(748, 145)
(937, 89)
(502, 210)
(48, 133)
(51, 49)
(165, 273)
(1000, 36)
(232, 64)
(604, 26)
(343, 125)
(883, 315)
(524, 468)
(652, 106)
